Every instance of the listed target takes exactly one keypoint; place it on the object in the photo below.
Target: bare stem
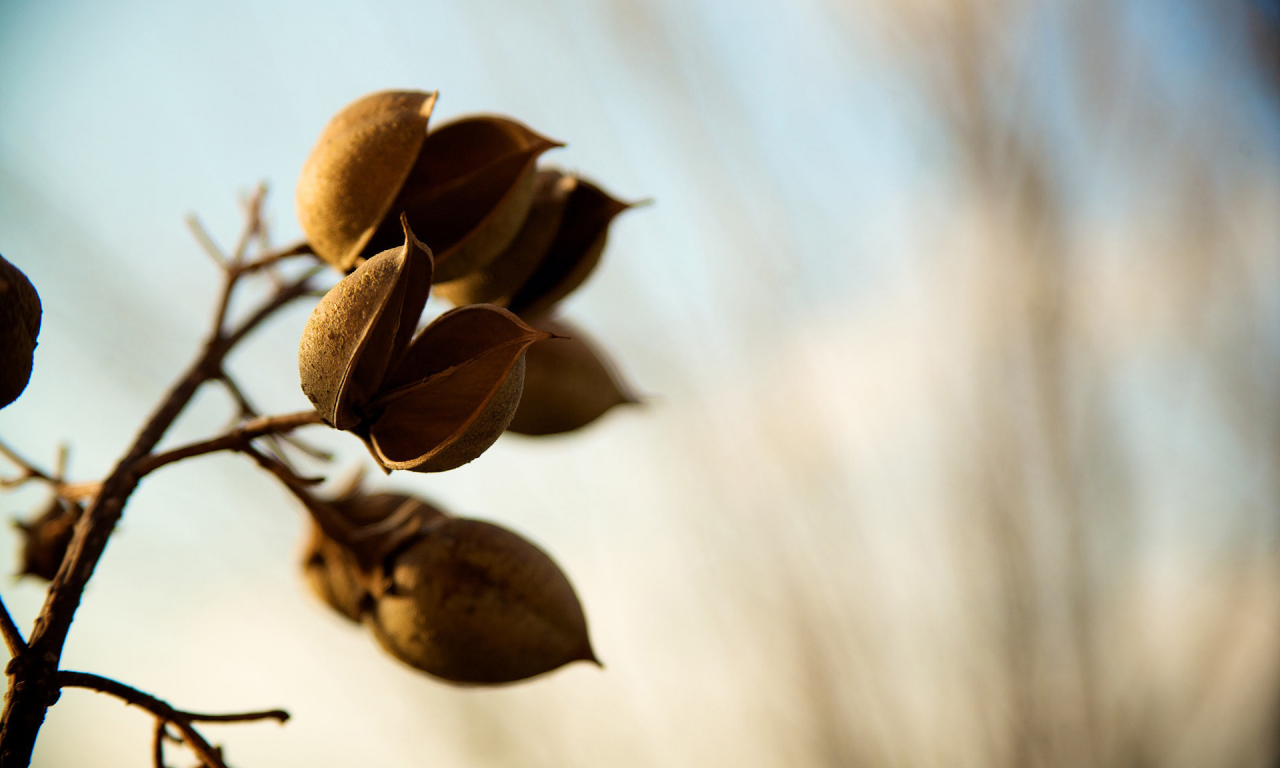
(12, 637)
(34, 681)
(167, 714)
(235, 440)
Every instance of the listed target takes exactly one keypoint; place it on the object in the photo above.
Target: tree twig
(166, 713)
(236, 439)
(12, 636)
(33, 684)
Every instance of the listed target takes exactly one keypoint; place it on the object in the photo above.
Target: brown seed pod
(357, 168)
(466, 186)
(455, 392)
(361, 327)
(342, 574)
(46, 538)
(469, 191)
(472, 602)
(497, 281)
(542, 267)
(20, 314)
(430, 404)
(568, 383)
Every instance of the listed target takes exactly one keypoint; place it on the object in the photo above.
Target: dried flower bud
(430, 404)
(559, 246)
(46, 538)
(465, 187)
(475, 603)
(19, 325)
(568, 383)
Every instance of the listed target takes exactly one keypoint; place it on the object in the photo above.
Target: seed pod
(360, 329)
(427, 405)
(46, 538)
(455, 391)
(20, 313)
(537, 271)
(357, 168)
(466, 187)
(469, 191)
(575, 252)
(568, 383)
(341, 574)
(475, 603)
(498, 281)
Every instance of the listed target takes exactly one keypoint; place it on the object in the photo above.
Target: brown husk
(472, 602)
(568, 383)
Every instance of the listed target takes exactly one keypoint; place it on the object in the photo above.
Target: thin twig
(301, 248)
(206, 242)
(236, 439)
(33, 680)
(253, 220)
(29, 470)
(165, 712)
(12, 636)
(157, 746)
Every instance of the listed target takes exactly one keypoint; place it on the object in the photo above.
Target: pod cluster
(464, 600)
(500, 231)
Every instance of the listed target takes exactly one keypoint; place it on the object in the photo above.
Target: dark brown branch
(33, 683)
(235, 440)
(29, 470)
(166, 713)
(12, 636)
(157, 746)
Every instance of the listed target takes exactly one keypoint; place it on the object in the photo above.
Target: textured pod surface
(497, 282)
(20, 314)
(469, 192)
(357, 168)
(568, 383)
(455, 391)
(472, 602)
(360, 328)
(333, 574)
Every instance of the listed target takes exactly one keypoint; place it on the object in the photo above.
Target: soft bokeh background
(959, 324)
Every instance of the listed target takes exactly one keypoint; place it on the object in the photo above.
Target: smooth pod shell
(568, 383)
(468, 192)
(357, 168)
(20, 314)
(472, 602)
(496, 282)
(455, 391)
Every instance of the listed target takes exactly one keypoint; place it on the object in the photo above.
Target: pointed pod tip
(428, 104)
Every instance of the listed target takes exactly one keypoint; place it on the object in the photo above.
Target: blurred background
(958, 323)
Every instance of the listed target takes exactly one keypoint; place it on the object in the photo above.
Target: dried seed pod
(557, 249)
(361, 327)
(568, 383)
(357, 168)
(20, 313)
(496, 282)
(475, 603)
(455, 392)
(466, 187)
(46, 538)
(341, 574)
(427, 405)
(469, 191)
